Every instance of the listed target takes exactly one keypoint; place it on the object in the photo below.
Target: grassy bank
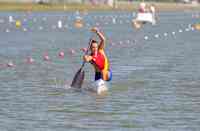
(82, 7)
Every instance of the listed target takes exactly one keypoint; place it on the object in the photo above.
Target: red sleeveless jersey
(99, 60)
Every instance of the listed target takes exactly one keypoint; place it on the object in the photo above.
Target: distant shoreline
(122, 6)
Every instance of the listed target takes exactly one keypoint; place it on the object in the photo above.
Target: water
(155, 82)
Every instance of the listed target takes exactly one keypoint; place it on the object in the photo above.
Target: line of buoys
(156, 36)
(121, 43)
(78, 23)
(61, 54)
(46, 57)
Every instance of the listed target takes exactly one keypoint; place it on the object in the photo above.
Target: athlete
(98, 58)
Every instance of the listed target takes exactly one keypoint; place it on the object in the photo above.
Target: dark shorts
(98, 76)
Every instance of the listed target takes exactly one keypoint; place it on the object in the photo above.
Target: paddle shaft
(90, 42)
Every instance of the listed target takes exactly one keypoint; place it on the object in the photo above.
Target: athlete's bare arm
(101, 36)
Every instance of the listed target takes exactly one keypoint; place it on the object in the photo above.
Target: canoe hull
(99, 86)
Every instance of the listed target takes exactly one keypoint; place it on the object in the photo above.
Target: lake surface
(156, 76)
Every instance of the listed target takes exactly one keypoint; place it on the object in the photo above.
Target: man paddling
(98, 58)
(145, 14)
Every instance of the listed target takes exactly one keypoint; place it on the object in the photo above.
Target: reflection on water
(155, 81)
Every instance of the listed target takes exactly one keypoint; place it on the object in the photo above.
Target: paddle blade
(78, 79)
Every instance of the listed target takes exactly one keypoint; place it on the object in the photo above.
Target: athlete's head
(94, 46)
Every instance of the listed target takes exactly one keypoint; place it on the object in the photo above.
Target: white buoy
(34, 20)
(173, 33)
(165, 34)
(44, 18)
(11, 19)
(59, 24)
(146, 37)
(24, 29)
(189, 26)
(7, 30)
(25, 20)
(120, 43)
(72, 52)
(114, 21)
(156, 35)
(187, 29)
(40, 28)
(180, 31)
(127, 41)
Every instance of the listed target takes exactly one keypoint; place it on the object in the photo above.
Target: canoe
(146, 17)
(100, 86)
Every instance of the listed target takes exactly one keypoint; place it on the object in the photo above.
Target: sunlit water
(156, 76)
